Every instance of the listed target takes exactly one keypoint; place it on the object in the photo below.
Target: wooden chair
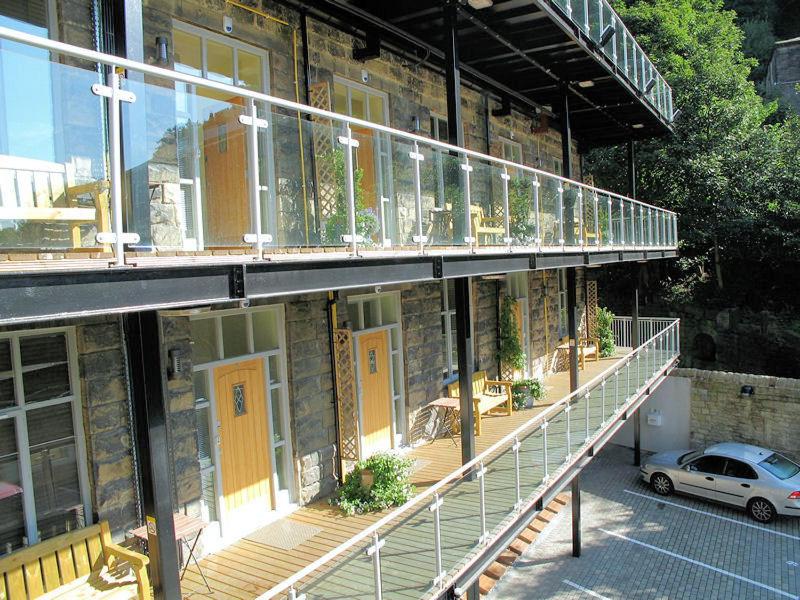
(40, 191)
(485, 226)
(484, 398)
(588, 347)
(79, 565)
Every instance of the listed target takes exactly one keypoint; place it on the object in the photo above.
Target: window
(709, 464)
(439, 133)
(740, 470)
(512, 150)
(563, 314)
(43, 480)
(780, 466)
(448, 315)
(558, 166)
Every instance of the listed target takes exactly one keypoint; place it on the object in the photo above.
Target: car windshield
(780, 466)
(689, 456)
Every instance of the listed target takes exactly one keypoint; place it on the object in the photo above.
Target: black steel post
(142, 338)
(637, 437)
(631, 168)
(635, 342)
(455, 132)
(465, 368)
(576, 516)
(570, 195)
(572, 327)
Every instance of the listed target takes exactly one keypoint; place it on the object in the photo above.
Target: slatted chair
(486, 227)
(38, 191)
(79, 565)
(487, 396)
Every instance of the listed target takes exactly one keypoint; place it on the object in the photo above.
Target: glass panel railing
(522, 209)
(550, 202)
(420, 548)
(54, 184)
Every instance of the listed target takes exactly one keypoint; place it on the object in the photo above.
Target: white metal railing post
(438, 577)
(616, 390)
(481, 475)
(561, 214)
(596, 220)
(293, 595)
(536, 186)
(633, 224)
(603, 398)
(586, 16)
(114, 96)
(506, 216)
(374, 551)
(515, 448)
(638, 372)
(417, 157)
(610, 223)
(546, 472)
(580, 217)
(627, 380)
(588, 396)
(642, 241)
(621, 222)
(350, 145)
(625, 51)
(467, 168)
(567, 410)
(253, 123)
(649, 226)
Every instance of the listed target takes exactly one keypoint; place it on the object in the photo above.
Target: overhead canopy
(527, 50)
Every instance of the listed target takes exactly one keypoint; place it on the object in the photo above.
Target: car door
(736, 482)
(700, 475)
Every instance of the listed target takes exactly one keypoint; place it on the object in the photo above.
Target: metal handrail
(429, 493)
(117, 62)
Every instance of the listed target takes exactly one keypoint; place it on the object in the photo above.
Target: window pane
(339, 98)
(234, 335)
(55, 471)
(12, 520)
(265, 330)
(45, 367)
(274, 369)
(204, 341)
(277, 416)
(376, 110)
(280, 467)
(188, 55)
(220, 62)
(358, 104)
(200, 379)
(389, 310)
(205, 450)
(250, 72)
(371, 314)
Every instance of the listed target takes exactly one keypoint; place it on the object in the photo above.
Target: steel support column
(465, 368)
(631, 169)
(635, 341)
(455, 132)
(566, 160)
(142, 340)
(637, 437)
(576, 516)
(572, 328)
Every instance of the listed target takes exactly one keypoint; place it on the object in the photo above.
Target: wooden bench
(79, 565)
(39, 191)
(588, 347)
(484, 399)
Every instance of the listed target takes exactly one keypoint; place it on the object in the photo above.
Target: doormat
(284, 534)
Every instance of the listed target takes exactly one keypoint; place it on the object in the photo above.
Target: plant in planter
(381, 481)
(338, 223)
(510, 355)
(526, 392)
(520, 205)
(605, 333)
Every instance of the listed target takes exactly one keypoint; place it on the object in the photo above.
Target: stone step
(495, 570)
(485, 584)
(507, 557)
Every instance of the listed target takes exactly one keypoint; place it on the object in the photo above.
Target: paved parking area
(639, 545)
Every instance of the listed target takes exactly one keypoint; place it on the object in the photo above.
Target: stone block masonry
(770, 417)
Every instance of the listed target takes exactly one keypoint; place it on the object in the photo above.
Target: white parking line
(708, 514)
(583, 589)
(702, 564)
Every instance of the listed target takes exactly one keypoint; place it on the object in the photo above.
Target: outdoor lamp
(162, 52)
(747, 390)
(608, 33)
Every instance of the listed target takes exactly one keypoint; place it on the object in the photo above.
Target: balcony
(116, 163)
(462, 516)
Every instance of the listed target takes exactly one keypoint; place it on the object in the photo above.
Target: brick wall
(770, 417)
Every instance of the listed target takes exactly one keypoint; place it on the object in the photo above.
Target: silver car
(760, 480)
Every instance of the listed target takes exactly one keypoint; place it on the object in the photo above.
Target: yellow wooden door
(244, 440)
(376, 394)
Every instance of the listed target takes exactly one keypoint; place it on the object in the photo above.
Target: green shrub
(511, 354)
(522, 389)
(604, 332)
(391, 484)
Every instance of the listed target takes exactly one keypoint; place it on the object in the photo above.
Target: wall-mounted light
(607, 34)
(162, 49)
(638, 125)
(747, 391)
(586, 84)
(415, 127)
(649, 86)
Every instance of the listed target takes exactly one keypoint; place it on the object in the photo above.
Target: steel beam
(576, 516)
(465, 368)
(572, 328)
(142, 341)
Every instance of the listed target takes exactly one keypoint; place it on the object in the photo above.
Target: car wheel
(661, 484)
(761, 510)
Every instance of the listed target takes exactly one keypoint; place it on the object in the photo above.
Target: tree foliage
(731, 173)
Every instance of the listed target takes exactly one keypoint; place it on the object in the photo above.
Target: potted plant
(605, 333)
(526, 392)
(380, 481)
(510, 354)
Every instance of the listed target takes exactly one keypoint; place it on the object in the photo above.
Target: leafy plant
(338, 224)
(605, 333)
(520, 205)
(391, 485)
(510, 354)
(523, 389)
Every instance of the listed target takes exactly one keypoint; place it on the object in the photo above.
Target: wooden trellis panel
(320, 96)
(591, 307)
(346, 395)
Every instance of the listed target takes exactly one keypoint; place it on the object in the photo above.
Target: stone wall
(484, 325)
(719, 412)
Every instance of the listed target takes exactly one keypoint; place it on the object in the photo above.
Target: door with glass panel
(375, 380)
(373, 156)
(215, 205)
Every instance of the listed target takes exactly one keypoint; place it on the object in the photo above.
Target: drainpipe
(332, 322)
(137, 479)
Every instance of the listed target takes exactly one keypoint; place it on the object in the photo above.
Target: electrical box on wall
(654, 418)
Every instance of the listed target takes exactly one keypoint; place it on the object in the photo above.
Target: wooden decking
(246, 569)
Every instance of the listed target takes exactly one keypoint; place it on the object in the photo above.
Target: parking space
(639, 545)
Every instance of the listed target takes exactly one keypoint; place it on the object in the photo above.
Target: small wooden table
(185, 528)
(449, 414)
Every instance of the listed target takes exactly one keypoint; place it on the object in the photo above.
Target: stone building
(783, 72)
